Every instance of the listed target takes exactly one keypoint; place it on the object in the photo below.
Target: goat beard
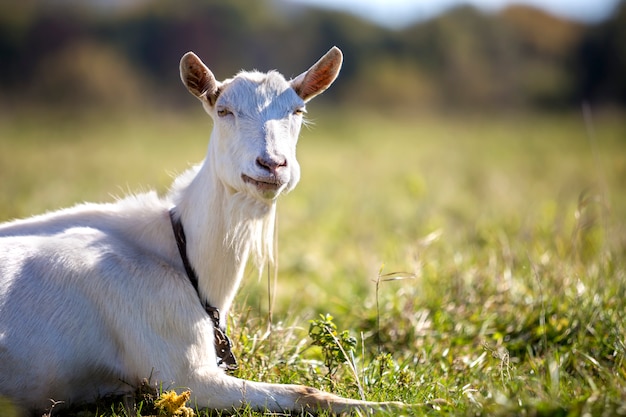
(251, 229)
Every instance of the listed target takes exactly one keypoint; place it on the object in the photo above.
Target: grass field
(478, 262)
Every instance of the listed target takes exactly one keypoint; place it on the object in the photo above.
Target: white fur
(95, 297)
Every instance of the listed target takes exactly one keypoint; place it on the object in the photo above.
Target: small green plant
(335, 346)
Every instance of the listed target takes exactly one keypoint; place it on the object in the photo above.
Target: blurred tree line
(69, 53)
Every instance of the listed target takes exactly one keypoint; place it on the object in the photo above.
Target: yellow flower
(174, 405)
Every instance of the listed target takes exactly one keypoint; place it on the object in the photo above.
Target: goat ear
(320, 76)
(198, 79)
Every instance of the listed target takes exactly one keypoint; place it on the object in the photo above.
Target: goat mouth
(264, 184)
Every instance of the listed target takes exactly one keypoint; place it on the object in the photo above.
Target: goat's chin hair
(251, 228)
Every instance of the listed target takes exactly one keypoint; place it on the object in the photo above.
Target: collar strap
(225, 358)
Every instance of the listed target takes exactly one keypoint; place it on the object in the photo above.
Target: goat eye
(221, 112)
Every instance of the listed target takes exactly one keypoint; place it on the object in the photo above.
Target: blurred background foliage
(80, 55)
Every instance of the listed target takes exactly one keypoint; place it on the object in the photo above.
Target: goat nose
(271, 164)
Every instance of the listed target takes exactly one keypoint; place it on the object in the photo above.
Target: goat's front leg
(224, 392)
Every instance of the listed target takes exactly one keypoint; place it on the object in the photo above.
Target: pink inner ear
(197, 77)
(314, 83)
(320, 76)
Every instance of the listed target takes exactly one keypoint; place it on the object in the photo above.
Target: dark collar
(225, 357)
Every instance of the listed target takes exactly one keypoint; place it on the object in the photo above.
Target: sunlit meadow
(478, 262)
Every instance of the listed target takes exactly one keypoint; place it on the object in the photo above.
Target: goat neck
(223, 228)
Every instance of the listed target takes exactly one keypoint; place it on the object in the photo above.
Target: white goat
(96, 297)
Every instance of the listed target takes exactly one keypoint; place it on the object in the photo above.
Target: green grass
(509, 232)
